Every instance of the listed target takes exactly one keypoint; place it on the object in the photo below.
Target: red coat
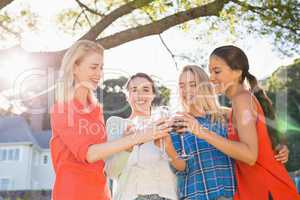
(72, 133)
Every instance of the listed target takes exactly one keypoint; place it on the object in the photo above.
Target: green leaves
(13, 23)
(279, 19)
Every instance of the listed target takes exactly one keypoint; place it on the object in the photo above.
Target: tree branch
(83, 6)
(16, 34)
(4, 3)
(93, 33)
(53, 59)
(164, 43)
(260, 11)
(157, 27)
(76, 20)
(87, 19)
(169, 50)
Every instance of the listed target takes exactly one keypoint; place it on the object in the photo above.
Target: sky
(144, 55)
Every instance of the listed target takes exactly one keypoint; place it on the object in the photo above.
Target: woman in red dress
(78, 144)
(251, 135)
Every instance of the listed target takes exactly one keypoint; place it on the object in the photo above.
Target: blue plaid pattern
(209, 173)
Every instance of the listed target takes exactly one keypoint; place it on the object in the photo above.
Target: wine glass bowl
(138, 123)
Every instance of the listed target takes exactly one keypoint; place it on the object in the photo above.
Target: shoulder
(244, 96)
(63, 115)
(61, 107)
(244, 108)
(244, 100)
(115, 126)
(58, 108)
(115, 120)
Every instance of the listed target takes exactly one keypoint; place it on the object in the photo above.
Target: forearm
(237, 150)
(98, 152)
(177, 163)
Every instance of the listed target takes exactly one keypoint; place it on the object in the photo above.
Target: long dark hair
(236, 59)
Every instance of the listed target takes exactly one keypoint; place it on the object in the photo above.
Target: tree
(284, 83)
(153, 17)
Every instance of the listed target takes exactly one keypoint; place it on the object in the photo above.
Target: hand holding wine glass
(181, 124)
(185, 122)
(145, 131)
(151, 131)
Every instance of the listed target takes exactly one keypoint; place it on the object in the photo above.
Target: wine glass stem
(182, 144)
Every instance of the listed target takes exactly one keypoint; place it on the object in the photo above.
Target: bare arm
(246, 149)
(102, 151)
(177, 163)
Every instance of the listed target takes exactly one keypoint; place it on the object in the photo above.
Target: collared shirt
(209, 173)
(73, 131)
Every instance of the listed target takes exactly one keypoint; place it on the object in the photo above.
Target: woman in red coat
(78, 144)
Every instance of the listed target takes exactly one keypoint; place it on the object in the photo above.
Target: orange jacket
(73, 131)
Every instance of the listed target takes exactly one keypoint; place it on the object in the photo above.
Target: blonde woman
(208, 173)
(78, 144)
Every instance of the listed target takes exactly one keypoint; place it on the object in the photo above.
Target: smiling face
(140, 95)
(221, 75)
(89, 71)
(188, 88)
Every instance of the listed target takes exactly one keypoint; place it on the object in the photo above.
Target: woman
(208, 173)
(258, 174)
(141, 174)
(78, 144)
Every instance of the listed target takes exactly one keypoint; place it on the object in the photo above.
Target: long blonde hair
(66, 85)
(206, 96)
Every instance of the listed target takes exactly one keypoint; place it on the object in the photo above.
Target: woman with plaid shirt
(208, 173)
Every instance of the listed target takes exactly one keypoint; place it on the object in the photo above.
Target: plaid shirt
(209, 173)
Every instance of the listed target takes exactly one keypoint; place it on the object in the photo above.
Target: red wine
(176, 128)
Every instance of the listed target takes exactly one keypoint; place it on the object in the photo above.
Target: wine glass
(183, 155)
(139, 124)
(159, 113)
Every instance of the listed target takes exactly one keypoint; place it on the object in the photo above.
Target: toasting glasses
(183, 155)
(139, 123)
(160, 113)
